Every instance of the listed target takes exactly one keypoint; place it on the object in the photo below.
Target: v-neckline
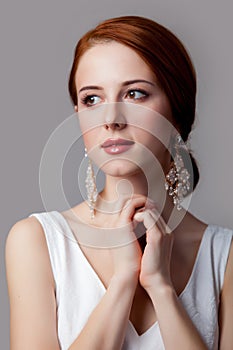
(155, 324)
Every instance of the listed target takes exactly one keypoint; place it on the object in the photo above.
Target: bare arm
(30, 288)
(106, 327)
(175, 325)
(226, 307)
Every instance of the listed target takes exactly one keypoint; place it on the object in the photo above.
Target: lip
(116, 146)
(116, 142)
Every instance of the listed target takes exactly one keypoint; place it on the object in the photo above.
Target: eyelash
(138, 90)
(86, 97)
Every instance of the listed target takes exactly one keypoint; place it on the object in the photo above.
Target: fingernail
(168, 230)
(138, 215)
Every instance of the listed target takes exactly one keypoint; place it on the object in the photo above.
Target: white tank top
(79, 289)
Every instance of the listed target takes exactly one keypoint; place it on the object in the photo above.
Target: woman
(133, 87)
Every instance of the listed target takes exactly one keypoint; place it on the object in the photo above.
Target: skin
(142, 287)
(112, 89)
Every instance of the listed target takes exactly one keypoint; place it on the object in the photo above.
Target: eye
(136, 94)
(90, 100)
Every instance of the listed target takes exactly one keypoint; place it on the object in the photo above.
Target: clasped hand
(152, 267)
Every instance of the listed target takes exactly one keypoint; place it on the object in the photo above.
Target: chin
(120, 168)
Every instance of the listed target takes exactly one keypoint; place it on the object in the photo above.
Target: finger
(154, 215)
(160, 221)
(164, 226)
(136, 203)
(149, 203)
(147, 217)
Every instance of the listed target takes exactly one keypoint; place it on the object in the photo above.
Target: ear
(76, 108)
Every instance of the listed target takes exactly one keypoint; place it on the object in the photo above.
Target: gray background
(37, 43)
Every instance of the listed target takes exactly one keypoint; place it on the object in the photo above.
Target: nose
(114, 117)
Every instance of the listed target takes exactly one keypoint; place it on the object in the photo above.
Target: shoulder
(228, 279)
(25, 233)
(24, 227)
(226, 301)
(229, 268)
(26, 245)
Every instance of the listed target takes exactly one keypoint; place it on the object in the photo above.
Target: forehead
(111, 60)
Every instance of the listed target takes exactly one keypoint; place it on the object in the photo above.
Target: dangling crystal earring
(177, 180)
(91, 187)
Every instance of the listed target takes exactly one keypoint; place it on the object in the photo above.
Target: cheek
(90, 120)
(152, 129)
(162, 106)
(151, 142)
(90, 138)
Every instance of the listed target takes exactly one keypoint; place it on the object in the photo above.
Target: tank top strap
(58, 239)
(214, 254)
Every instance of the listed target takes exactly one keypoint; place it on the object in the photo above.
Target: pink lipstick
(116, 146)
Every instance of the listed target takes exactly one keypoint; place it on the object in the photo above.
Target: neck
(119, 189)
(115, 187)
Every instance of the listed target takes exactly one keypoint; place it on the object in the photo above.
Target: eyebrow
(128, 82)
(137, 81)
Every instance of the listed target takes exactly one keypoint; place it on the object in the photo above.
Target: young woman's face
(122, 110)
